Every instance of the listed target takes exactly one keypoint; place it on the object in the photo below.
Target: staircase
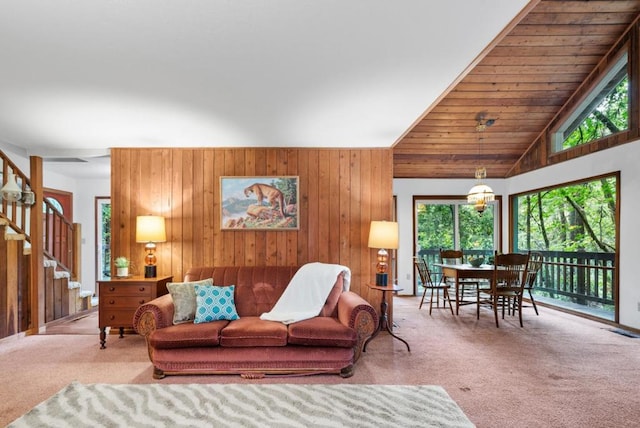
(63, 297)
(52, 293)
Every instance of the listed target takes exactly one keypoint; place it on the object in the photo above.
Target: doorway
(103, 237)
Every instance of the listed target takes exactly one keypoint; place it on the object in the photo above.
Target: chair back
(423, 271)
(510, 271)
(451, 257)
(535, 263)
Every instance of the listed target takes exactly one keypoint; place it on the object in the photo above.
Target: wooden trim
(36, 283)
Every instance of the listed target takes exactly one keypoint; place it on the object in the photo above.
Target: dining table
(461, 271)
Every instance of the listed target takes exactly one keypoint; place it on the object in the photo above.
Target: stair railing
(16, 214)
(58, 239)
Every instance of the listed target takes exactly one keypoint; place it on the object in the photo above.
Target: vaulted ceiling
(521, 80)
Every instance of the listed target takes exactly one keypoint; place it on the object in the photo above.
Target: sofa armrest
(358, 314)
(153, 315)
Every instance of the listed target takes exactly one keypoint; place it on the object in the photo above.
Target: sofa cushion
(252, 331)
(187, 335)
(184, 299)
(215, 303)
(322, 331)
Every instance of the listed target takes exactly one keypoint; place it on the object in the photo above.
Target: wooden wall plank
(309, 192)
(303, 205)
(174, 232)
(334, 215)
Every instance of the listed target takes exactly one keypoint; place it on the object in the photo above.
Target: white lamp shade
(150, 228)
(383, 234)
(480, 193)
(10, 191)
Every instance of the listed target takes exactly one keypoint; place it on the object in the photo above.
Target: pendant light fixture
(481, 194)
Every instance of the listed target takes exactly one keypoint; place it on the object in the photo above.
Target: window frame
(458, 200)
(513, 226)
(583, 108)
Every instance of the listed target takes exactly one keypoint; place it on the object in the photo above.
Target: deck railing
(582, 278)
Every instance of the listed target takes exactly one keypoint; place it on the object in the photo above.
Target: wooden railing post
(36, 284)
(76, 245)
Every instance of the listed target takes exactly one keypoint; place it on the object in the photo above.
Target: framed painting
(259, 203)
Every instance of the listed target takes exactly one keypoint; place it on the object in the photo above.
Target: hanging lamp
(481, 194)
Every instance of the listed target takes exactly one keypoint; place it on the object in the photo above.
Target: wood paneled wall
(340, 192)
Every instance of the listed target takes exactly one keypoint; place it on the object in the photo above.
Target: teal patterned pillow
(215, 303)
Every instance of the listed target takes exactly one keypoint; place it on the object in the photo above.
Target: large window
(604, 112)
(453, 223)
(575, 228)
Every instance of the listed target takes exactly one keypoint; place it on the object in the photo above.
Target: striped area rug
(246, 405)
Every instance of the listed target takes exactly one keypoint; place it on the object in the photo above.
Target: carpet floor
(557, 371)
(246, 406)
(83, 323)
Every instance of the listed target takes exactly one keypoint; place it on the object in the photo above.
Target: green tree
(608, 117)
(578, 217)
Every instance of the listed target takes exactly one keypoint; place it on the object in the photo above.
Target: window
(604, 111)
(103, 238)
(453, 223)
(574, 226)
(54, 203)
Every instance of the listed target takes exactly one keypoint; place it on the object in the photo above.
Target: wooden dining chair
(435, 287)
(506, 286)
(468, 287)
(535, 263)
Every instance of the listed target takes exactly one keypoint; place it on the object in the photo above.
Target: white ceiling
(78, 77)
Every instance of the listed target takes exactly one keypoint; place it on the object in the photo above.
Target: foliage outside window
(578, 217)
(574, 227)
(454, 224)
(604, 112)
(103, 238)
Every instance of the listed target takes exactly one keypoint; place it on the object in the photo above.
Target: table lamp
(150, 229)
(383, 235)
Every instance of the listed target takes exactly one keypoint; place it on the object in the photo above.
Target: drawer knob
(111, 302)
(112, 317)
(141, 289)
(112, 288)
(141, 301)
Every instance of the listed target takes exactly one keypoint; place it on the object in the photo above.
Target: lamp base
(150, 271)
(381, 279)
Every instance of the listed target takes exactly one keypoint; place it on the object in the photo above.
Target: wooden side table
(119, 298)
(384, 317)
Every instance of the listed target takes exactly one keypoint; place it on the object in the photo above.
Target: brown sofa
(329, 343)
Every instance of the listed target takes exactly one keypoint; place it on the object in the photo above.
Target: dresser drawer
(125, 290)
(116, 318)
(131, 302)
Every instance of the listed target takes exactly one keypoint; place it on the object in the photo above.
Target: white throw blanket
(307, 292)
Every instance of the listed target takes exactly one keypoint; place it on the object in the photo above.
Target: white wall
(84, 194)
(623, 158)
(84, 213)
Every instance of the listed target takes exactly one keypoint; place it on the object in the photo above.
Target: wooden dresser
(119, 298)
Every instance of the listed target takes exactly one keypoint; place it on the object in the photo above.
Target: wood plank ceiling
(521, 80)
